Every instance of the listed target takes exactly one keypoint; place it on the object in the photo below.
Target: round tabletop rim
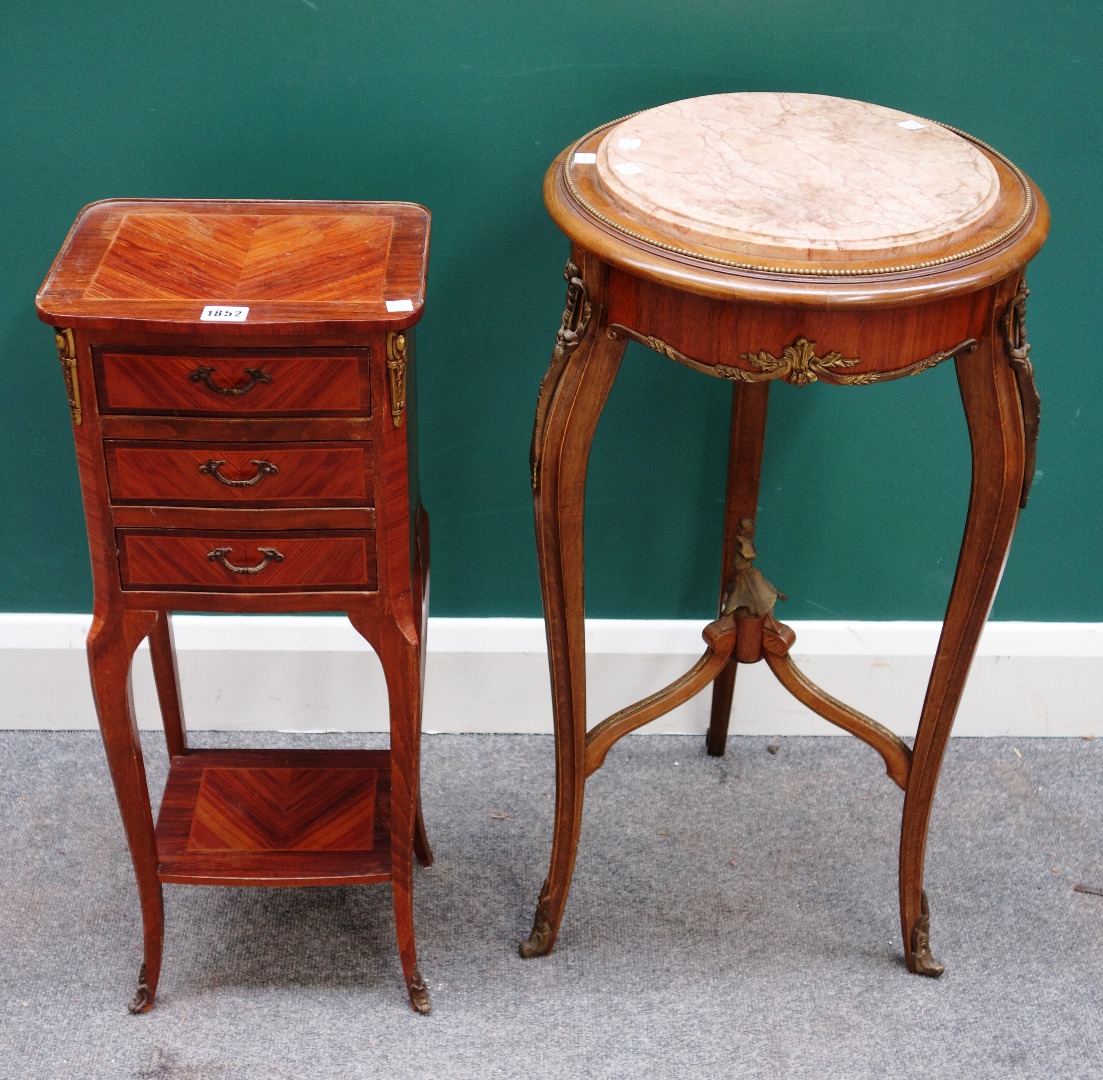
(895, 281)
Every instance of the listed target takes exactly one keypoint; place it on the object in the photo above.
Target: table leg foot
(142, 1001)
(404, 931)
(540, 940)
(419, 993)
(919, 959)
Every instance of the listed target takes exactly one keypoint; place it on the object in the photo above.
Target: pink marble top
(796, 173)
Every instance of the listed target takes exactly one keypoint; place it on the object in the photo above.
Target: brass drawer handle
(256, 375)
(219, 556)
(264, 468)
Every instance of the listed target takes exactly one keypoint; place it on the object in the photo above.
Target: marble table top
(802, 174)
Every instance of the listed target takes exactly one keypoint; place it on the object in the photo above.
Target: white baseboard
(293, 673)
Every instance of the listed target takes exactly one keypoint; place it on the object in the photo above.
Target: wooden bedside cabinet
(241, 385)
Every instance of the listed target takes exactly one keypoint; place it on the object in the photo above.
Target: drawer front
(246, 562)
(230, 474)
(233, 384)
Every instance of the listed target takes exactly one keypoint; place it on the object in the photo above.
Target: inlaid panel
(243, 258)
(283, 810)
(246, 562)
(232, 474)
(341, 268)
(280, 816)
(241, 383)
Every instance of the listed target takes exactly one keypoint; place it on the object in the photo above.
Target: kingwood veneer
(256, 465)
(794, 238)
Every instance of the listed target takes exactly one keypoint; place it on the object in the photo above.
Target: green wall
(460, 106)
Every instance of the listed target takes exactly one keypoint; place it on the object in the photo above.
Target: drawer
(246, 561)
(233, 474)
(245, 383)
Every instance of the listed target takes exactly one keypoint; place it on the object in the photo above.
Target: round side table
(797, 238)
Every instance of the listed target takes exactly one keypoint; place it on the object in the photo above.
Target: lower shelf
(276, 817)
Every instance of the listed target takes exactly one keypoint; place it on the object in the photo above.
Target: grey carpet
(729, 918)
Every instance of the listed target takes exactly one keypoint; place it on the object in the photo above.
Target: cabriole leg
(111, 643)
(572, 397)
(996, 432)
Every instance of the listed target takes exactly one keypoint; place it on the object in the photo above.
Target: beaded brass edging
(793, 271)
(798, 364)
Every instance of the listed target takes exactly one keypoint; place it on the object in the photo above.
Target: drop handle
(264, 468)
(219, 555)
(203, 375)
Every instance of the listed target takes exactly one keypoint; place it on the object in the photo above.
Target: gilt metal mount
(419, 993)
(396, 371)
(798, 364)
(572, 329)
(749, 591)
(1013, 325)
(576, 310)
(141, 1001)
(67, 354)
(539, 940)
(922, 960)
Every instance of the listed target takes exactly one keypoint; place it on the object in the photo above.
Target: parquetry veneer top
(336, 265)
